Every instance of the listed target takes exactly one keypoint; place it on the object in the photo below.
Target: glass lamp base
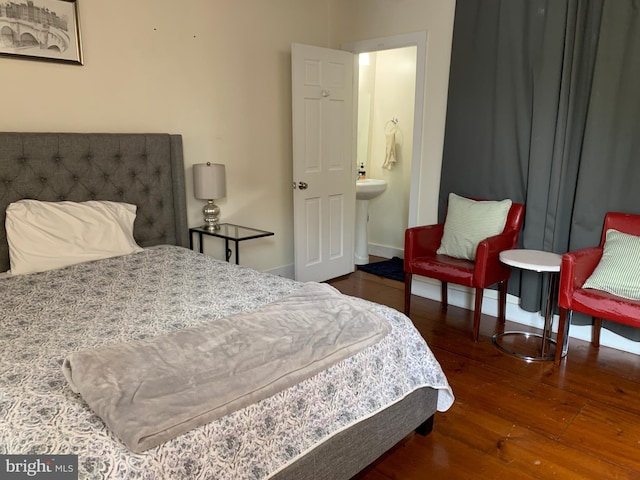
(211, 214)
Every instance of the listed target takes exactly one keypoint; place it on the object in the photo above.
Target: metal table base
(547, 352)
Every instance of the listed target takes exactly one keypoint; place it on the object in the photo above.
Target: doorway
(386, 104)
(390, 94)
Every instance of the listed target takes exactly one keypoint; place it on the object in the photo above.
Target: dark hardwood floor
(513, 419)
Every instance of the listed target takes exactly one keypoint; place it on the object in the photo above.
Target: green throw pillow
(619, 269)
(468, 222)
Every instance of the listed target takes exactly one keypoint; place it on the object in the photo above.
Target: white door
(323, 162)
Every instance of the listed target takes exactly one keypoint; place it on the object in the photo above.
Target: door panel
(313, 210)
(323, 159)
(336, 230)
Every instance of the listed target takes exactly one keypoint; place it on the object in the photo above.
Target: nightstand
(229, 232)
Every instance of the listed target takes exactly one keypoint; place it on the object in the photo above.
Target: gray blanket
(150, 391)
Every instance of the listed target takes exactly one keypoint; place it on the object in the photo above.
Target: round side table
(542, 262)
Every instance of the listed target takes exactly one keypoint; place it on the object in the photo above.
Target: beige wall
(217, 72)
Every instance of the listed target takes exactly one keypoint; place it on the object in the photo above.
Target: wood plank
(511, 418)
(608, 433)
(444, 457)
(522, 400)
(522, 448)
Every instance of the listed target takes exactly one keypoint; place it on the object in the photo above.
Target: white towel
(390, 153)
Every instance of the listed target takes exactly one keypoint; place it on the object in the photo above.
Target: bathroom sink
(365, 190)
(369, 188)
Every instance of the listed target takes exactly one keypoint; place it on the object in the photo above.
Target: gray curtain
(544, 108)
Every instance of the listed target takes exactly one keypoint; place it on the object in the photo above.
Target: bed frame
(148, 170)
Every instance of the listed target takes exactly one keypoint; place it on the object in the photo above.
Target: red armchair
(420, 258)
(576, 267)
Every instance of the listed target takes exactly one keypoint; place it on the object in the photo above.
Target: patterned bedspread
(45, 316)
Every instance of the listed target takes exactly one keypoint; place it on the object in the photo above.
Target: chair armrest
(576, 267)
(489, 269)
(421, 241)
(424, 239)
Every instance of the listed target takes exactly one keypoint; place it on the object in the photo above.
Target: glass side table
(229, 232)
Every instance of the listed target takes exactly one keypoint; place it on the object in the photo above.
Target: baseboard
(385, 251)
(464, 297)
(287, 271)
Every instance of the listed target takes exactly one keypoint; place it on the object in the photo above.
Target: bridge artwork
(46, 29)
(19, 34)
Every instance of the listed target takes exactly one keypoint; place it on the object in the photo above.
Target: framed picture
(40, 30)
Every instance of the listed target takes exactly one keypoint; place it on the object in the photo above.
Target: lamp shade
(209, 181)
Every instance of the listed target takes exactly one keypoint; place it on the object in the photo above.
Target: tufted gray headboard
(143, 169)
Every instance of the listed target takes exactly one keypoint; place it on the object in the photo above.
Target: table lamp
(209, 184)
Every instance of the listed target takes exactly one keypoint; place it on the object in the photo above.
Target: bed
(327, 426)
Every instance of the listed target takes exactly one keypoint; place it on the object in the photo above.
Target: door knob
(302, 185)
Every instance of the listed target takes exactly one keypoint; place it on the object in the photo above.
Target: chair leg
(443, 295)
(595, 332)
(407, 293)
(477, 312)
(502, 301)
(562, 324)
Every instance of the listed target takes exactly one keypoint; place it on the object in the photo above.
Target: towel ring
(391, 125)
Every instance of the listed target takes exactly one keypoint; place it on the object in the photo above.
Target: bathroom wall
(389, 83)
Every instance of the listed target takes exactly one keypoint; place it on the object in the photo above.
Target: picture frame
(40, 30)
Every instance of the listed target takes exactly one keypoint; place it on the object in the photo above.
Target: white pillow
(618, 271)
(47, 235)
(468, 222)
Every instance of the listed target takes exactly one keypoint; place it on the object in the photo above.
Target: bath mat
(392, 268)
